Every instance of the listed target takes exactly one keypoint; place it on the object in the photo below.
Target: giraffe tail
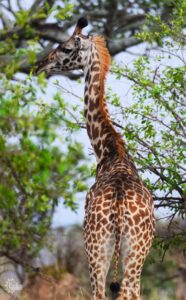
(118, 209)
(114, 287)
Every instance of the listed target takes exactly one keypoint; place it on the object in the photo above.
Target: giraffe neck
(106, 142)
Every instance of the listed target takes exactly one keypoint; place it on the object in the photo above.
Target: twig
(66, 90)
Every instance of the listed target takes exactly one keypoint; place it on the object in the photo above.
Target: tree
(35, 173)
(156, 126)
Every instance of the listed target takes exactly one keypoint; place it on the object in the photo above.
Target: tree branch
(116, 46)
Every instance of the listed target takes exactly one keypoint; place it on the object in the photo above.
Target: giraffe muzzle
(45, 66)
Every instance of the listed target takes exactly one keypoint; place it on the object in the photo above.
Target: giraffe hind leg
(130, 286)
(133, 257)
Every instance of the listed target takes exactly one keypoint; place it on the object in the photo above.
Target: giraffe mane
(104, 55)
(105, 61)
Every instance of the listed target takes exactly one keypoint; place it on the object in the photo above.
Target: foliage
(35, 173)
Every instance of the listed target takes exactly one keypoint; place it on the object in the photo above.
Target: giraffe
(119, 218)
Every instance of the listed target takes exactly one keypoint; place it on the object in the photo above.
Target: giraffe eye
(78, 42)
(66, 50)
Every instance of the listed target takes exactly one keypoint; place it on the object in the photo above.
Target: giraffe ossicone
(119, 217)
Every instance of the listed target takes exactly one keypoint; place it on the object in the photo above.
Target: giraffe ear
(81, 23)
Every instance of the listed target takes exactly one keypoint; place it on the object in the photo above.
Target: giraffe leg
(133, 257)
(130, 287)
(99, 262)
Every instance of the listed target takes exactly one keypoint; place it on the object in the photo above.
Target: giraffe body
(118, 194)
(119, 216)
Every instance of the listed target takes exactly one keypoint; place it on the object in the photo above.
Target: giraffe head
(69, 55)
